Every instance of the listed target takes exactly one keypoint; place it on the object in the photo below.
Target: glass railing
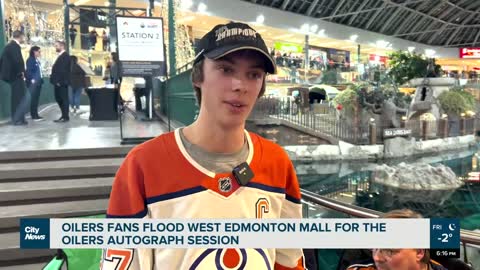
(317, 206)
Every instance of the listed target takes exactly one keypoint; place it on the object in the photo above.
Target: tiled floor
(78, 133)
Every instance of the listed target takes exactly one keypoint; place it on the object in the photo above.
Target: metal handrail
(466, 236)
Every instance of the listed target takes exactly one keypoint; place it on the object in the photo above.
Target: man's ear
(420, 254)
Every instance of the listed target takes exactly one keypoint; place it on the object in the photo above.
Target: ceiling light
(106, 3)
(81, 2)
(429, 53)
(314, 28)
(353, 37)
(186, 4)
(21, 16)
(202, 7)
(411, 49)
(383, 44)
(186, 19)
(285, 36)
(321, 32)
(304, 27)
(260, 19)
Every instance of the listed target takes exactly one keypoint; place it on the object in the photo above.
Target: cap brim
(221, 52)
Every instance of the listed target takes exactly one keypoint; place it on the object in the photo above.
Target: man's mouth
(235, 104)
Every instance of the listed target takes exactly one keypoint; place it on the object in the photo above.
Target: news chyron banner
(141, 46)
(441, 235)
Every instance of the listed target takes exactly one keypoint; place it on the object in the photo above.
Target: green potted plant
(454, 103)
(405, 66)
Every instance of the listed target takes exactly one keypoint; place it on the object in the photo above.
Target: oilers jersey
(159, 180)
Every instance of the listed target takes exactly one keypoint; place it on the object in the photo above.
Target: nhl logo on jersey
(225, 184)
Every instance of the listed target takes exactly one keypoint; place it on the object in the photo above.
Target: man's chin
(381, 267)
(233, 122)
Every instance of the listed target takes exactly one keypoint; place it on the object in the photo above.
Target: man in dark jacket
(60, 78)
(12, 70)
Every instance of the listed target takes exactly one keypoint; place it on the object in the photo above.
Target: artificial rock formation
(417, 176)
(426, 96)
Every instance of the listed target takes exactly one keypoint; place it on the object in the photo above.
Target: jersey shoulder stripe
(266, 187)
(177, 194)
(140, 214)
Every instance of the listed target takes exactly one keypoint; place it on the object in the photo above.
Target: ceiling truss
(447, 23)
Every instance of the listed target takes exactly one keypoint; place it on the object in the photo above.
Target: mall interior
(376, 102)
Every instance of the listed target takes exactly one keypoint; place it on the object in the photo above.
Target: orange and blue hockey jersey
(159, 180)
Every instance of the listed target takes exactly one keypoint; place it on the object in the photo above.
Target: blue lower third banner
(441, 234)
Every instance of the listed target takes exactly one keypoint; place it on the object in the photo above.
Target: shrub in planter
(347, 99)
(330, 77)
(405, 66)
(456, 102)
(469, 100)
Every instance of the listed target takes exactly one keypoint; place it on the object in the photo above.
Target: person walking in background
(10, 27)
(116, 71)
(12, 71)
(77, 84)
(105, 41)
(93, 39)
(60, 78)
(73, 35)
(34, 80)
(106, 74)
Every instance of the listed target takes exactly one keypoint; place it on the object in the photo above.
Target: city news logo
(225, 184)
(142, 25)
(35, 233)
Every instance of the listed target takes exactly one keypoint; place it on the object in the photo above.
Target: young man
(188, 173)
(399, 259)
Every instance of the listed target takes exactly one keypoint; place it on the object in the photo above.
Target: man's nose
(378, 256)
(238, 83)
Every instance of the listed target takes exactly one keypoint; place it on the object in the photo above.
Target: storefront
(288, 54)
(379, 60)
(338, 58)
(318, 57)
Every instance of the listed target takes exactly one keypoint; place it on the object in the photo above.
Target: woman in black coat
(77, 84)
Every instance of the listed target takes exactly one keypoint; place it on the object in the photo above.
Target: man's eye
(226, 70)
(255, 75)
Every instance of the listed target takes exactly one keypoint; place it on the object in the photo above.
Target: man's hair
(115, 56)
(197, 76)
(17, 34)
(61, 42)
(407, 213)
